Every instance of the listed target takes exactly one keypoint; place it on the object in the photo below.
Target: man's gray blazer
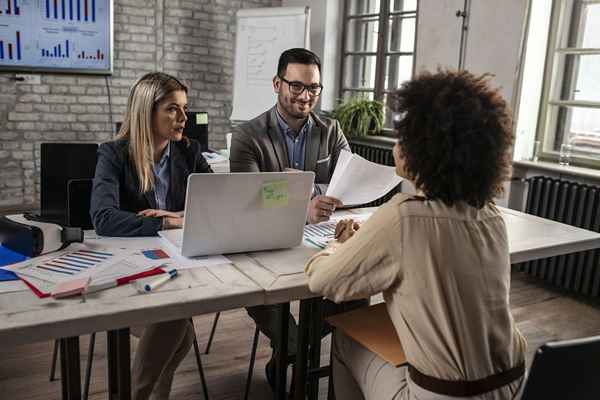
(258, 146)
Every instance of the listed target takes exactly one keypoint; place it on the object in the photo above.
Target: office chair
(90, 358)
(565, 370)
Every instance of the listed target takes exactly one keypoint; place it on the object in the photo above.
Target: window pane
(358, 7)
(362, 34)
(582, 78)
(589, 27)
(398, 70)
(346, 94)
(402, 34)
(359, 72)
(387, 113)
(403, 5)
(580, 126)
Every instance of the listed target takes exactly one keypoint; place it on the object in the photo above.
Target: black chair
(565, 370)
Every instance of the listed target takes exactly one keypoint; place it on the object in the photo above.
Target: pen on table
(150, 286)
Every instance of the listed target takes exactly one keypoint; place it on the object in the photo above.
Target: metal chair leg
(54, 356)
(212, 333)
(88, 367)
(199, 363)
(251, 366)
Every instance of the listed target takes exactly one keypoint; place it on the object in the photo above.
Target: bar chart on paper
(75, 262)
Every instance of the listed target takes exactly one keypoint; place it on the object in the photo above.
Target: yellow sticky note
(275, 194)
(202, 119)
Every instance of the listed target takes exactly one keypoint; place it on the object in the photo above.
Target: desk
(281, 275)
(274, 277)
(25, 318)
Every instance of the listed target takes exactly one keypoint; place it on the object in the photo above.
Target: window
(570, 109)
(379, 46)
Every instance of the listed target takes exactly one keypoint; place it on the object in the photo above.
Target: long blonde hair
(137, 125)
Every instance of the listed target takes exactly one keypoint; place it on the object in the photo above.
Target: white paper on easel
(360, 181)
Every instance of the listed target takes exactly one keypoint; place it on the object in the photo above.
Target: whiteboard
(262, 35)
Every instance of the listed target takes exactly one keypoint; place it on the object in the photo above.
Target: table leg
(119, 368)
(69, 368)
(314, 361)
(282, 357)
(302, 352)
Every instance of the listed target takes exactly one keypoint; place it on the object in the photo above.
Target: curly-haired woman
(440, 257)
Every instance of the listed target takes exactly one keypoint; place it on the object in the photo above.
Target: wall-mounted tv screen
(56, 35)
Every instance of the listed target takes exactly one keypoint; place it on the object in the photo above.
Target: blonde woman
(139, 189)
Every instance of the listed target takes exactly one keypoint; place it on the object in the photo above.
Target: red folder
(121, 281)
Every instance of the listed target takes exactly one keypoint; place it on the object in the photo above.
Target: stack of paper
(359, 181)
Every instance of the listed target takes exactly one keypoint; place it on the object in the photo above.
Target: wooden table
(24, 318)
(274, 277)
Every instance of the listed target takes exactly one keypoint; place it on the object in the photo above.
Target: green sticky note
(202, 119)
(275, 194)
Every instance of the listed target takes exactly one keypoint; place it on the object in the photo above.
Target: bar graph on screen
(70, 10)
(11, 50)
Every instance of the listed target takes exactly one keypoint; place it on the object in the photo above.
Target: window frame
(558, 80)
(381, 54)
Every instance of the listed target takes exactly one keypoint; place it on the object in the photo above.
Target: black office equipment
(197, 128)
(79, 196)
(60, 163)
(565, 370)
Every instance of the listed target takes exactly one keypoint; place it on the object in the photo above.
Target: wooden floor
(541, 314)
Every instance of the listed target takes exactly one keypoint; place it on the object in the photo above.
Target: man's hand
(345, 229)
(321, 207)
(170, 219)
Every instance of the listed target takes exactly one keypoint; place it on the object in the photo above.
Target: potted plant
(360, 116)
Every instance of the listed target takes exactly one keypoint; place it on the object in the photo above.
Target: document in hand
(359, 181)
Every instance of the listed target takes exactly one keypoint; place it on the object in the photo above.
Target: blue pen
(149, 287)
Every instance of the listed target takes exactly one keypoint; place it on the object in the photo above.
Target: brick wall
(193, 40)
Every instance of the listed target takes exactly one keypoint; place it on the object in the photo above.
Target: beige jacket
(445, 276)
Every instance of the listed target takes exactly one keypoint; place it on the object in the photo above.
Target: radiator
(574, 204)
(380, 154)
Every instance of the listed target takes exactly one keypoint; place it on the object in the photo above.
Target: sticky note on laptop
(275, 194)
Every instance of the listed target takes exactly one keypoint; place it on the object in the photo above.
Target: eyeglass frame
(304, 87)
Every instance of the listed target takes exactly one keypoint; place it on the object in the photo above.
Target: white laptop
(239, 212)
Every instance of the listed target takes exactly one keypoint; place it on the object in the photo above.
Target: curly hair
(455, 133)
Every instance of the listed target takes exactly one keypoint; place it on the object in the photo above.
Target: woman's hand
(170, 219)
(159, 213)
(345, 229)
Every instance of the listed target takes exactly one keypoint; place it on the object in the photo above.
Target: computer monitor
(195, 128)
(60, 163)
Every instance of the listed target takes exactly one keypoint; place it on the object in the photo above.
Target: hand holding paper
(359, 181)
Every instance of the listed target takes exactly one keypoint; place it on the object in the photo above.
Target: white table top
(256, 278)
(529, 237)
(24, 318)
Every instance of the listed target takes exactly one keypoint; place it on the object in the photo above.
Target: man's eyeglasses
(297, 88)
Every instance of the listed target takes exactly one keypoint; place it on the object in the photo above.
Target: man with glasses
(290, 135)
